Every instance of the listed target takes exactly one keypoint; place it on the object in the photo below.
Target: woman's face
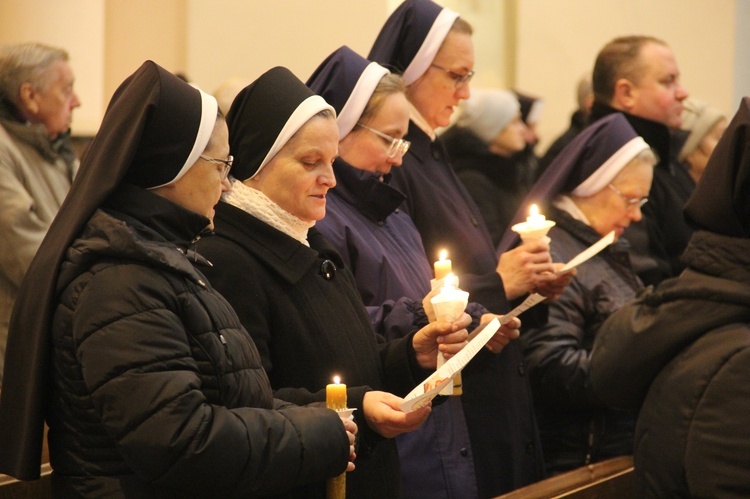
(436, 92)
(368, 151)
(299, 176)
(200, 188)
(511, 139)
(608, 209)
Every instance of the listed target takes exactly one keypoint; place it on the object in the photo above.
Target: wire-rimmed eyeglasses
(629, 202)
(395, 147)
(458, 78)
(226, 162)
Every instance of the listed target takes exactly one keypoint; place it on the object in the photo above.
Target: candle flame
(336, 379)
(533, 210)
(443, 254)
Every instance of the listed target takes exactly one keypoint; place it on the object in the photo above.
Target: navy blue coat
(382, 247)
(497, 398)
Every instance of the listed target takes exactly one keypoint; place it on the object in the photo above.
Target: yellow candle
(336, 394)
(443, 266)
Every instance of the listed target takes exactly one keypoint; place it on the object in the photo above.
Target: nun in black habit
(596, 185)
(150, 385)
(291, 288)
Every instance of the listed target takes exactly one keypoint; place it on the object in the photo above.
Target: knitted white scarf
(261, 207)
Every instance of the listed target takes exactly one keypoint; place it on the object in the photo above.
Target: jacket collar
(36, 135)
(655, 134)
(364, 190)
(284, 255)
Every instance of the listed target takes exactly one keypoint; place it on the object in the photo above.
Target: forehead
(457, 50)
(635, 175)
(317, 132)
(657, 60)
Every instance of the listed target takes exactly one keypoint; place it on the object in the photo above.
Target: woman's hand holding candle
(447, 338)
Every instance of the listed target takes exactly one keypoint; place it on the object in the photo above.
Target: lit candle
(535, 220)
(336, 394)
(448, 305)
(443, 266)
(535, 227)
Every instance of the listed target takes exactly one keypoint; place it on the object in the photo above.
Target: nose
(463, 91)
(680, 93)
(635, 214)
(74, 102)
(226, 184)
(396, 160)
(327, 177)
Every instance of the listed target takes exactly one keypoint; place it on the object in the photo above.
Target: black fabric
(681, 354)
(578, 121)
(140, 99)
(403, 33)
(721, 201)
(257, 116)
(307, 328)
(344, 67)
(156, 390)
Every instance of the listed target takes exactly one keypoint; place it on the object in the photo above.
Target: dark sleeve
(149, 400)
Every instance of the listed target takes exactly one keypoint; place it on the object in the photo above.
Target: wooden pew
(611, 479)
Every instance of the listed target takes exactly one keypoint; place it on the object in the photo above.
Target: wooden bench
(611, 479)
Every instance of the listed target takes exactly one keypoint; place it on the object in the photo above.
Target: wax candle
(443, 266)
(536, 226)
(448, 305)
(336, 394)
(535, 220)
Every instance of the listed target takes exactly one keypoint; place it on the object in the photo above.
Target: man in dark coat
(682, 351)
(639, 76)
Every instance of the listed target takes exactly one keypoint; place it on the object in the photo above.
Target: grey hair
(27, 63)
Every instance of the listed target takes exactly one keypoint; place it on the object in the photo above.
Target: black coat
(683, 351)
(499, 408)
(493, 181)
(302, 308)
(577, 428)
(156, 389)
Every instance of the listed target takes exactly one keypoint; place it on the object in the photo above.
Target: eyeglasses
(629, 202)
(458, 78)
(395, 147)
(226, 162)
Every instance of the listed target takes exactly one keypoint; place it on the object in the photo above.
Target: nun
(595, 186)
(489, 131)
(681, 352)
(384, 251)
(150, 385)
(293, 291)
(432, 48)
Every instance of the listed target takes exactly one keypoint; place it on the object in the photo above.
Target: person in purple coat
(384, 251)
(432, 48)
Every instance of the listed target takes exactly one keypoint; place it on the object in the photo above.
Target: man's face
(52, 106)
(657, 94)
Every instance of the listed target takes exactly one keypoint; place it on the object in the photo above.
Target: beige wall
(538, 46)
(558, 41)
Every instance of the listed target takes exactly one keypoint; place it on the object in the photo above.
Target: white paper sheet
(588, 253)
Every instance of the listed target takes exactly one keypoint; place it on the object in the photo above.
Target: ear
(27, 95)
(625, 94)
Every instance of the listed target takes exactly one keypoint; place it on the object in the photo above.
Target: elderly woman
(150, 385)
(432, 48)
(488, 132)
(596, 185)
(294, 291)
(384, 251)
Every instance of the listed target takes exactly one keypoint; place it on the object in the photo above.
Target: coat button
(327, 269)
(436, 154)
(464, 451)
(474, 221)
(521, 370)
